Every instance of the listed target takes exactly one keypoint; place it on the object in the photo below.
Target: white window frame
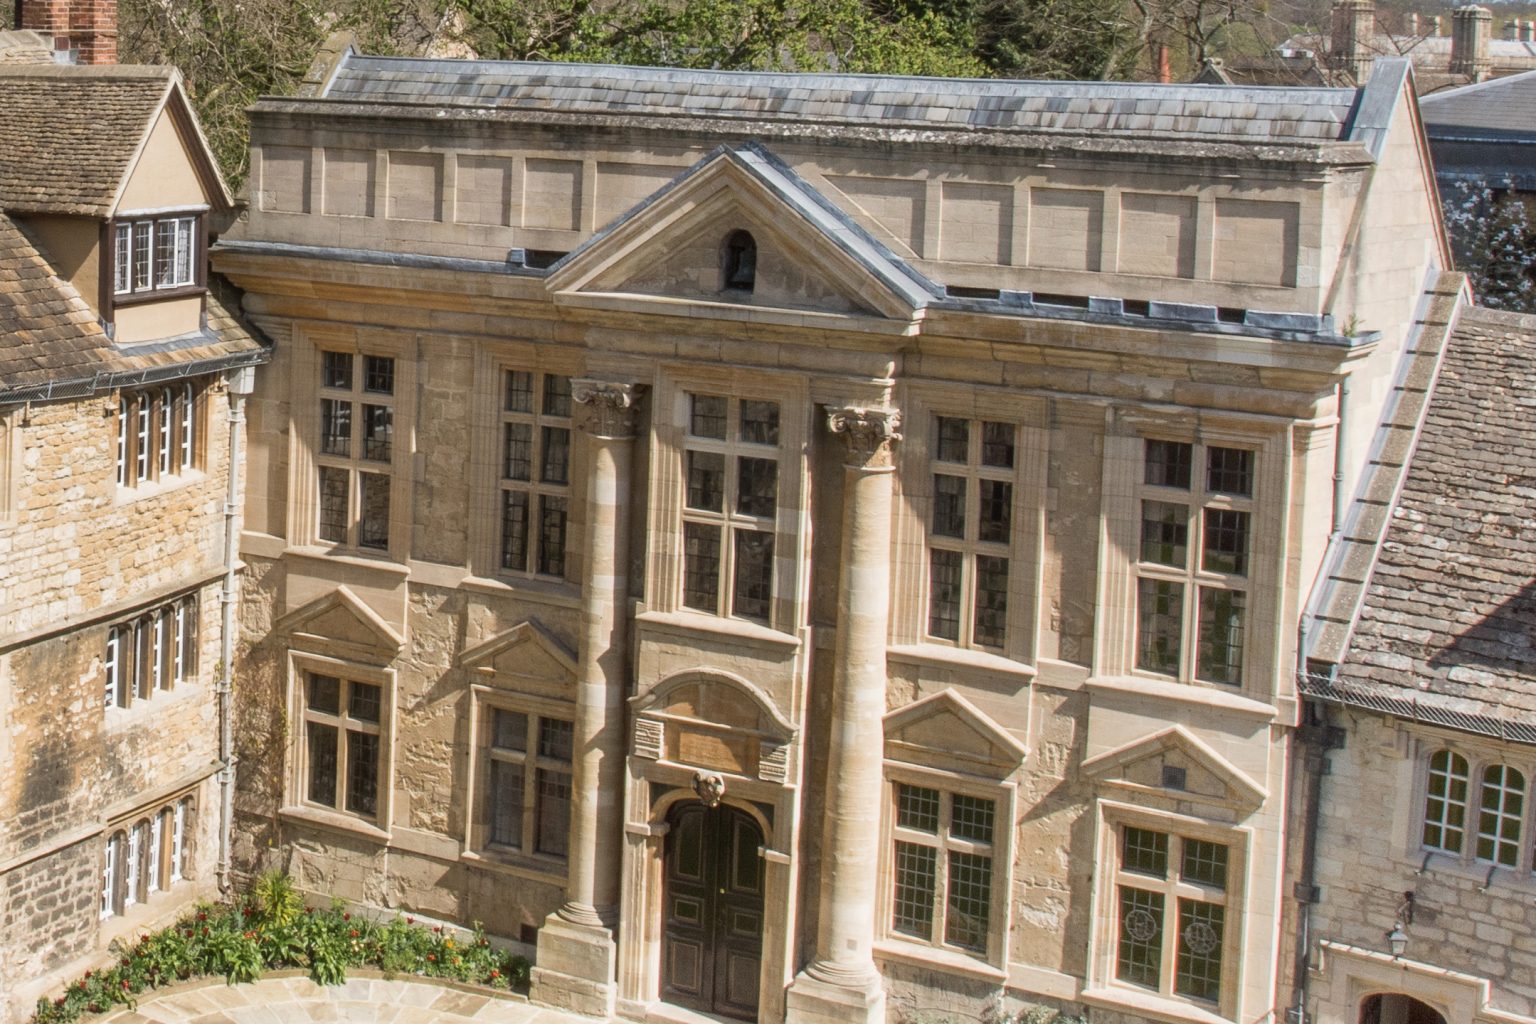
(139, 252)
(1480, 762)
(161, 440)
(144, 854)
(153, 651)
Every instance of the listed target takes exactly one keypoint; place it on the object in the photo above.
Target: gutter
(84, 387)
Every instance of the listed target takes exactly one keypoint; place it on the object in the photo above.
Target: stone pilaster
(841, 984)
(577, 945)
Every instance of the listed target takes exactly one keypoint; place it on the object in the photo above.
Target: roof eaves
(1371, 120)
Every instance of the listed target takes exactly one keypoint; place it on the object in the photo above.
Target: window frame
(356, 466)
(297, 804)
(152, 651)
(160, 432)
(535, 489)
(146, 855)
(487, 702)
(129, 235)
(1003, 796)
(1110, 876)
(1479, 763)
(730, 522)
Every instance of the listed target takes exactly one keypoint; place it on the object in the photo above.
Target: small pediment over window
(340, 624)
(1179, 766)
(947, 730)
(526, 658)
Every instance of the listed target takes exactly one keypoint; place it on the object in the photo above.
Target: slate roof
(1501, 105)
(1178, 112)
(24, 47)
(1448, 626)
(69, 133)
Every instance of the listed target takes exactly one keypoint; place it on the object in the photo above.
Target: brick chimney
(1471, 27)
(1354, 25)
(83, 31)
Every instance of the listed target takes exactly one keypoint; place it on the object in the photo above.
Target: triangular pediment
(810, 255)
(1176, 762)
(946, 726)
(526, 658)
(341, 624)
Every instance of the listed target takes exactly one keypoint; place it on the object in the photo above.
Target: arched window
(738, 262)
(1498, 819)
(1445, 802)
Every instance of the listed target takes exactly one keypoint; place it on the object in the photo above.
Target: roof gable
(810, 253)
(71, 135)
(947, 726)
(338, 622)
(1142, 765)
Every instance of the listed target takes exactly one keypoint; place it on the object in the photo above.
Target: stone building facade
(115, 477)
(1420, 732)
(811, 548)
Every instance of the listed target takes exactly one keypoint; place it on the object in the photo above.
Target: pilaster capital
(870, 434)
(610, 406)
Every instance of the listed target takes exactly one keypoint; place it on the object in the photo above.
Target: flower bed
(268, 928)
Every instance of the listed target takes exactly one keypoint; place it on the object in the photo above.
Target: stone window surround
(670, 412)
(913, 509)
(304, 401)
(936, 955)
(296, 806)
(1479, 756)
(483, 700)
(1102, 987)
(172, 874)
(1124, 465)
(11, 422)
(485, 455)
(183, 618)
(140, 417)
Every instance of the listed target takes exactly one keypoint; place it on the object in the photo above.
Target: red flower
(495, 974)
(410, 920)
(188, 933)
(125, 983)
(437, 929)
(353, 933)
(202, 916)
(87, 974)
(431, 958)
(205, 931)
(346, 917)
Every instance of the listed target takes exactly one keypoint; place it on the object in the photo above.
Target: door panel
(713, 933)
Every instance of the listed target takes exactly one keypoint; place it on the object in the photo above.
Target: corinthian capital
(610, 406)
(869, 434)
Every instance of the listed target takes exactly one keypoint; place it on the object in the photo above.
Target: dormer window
(739, 262)
(154, 254)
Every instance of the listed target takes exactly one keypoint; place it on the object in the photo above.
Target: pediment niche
(1180, 767)
(526, 658)
(809, 255)
(340, 624)
(947, 730)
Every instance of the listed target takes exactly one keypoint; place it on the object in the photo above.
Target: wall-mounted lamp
(1397, 940)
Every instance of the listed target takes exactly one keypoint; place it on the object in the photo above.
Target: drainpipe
(240, 384)
(1341, 409)
(1312, 737)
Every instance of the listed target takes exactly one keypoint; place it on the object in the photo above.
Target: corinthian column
(577, 943)
(841, 984)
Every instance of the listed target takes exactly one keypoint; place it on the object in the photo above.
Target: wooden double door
(712, 938)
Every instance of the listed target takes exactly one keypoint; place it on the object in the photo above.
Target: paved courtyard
(295, 1000)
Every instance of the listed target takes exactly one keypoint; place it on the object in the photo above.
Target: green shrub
(270, 928)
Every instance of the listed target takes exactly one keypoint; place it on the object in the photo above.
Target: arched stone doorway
(712, 918)
(1396, 1008)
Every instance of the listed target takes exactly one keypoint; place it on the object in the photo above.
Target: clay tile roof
(46, 330)
(68, 134)
(1449, 619)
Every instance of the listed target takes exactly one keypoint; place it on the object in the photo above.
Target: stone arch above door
(715, 721)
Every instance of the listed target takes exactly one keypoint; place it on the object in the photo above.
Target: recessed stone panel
(348, 182)
(898, 205)
(483, 193)
(1066, 228)
(415, 186)
(976, 224)
(621, 186)
(1157, 235)
(285, 179)
(552, 194)
(1255, 242)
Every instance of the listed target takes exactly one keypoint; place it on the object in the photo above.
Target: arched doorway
(712, 918)
(1396, 1008)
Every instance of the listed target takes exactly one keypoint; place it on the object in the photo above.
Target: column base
(855, 1000)
(575, 968)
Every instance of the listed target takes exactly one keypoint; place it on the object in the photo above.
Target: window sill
(119, 717)
(1151, 1004)
(738, 629)
(1184, 693)
(159, 910)
(1477, 872)
(351, 556)
(532, 867)
(335, 821)
(143, 490)
(561, 593)
(181, 291)
(944, 656)
(938, 959)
